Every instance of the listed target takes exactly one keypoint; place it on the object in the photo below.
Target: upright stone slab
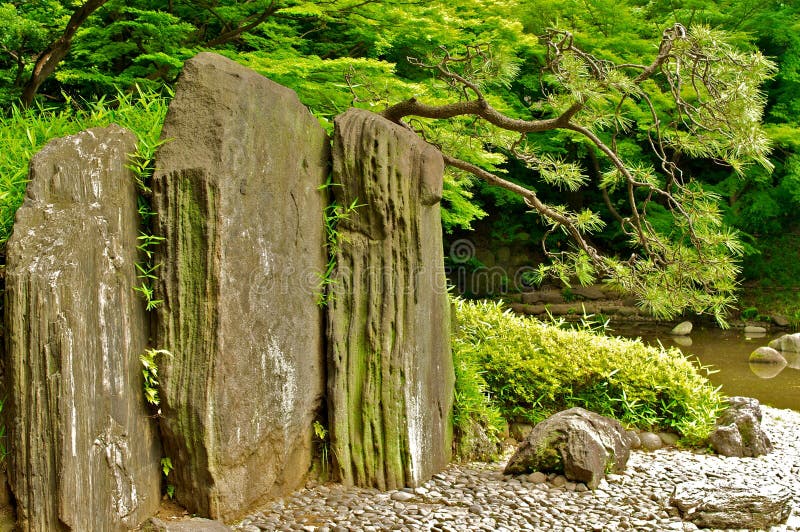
(236, 190)
(84, 448)
(390, 380)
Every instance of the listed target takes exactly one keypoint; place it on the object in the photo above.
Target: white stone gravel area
(477, 496)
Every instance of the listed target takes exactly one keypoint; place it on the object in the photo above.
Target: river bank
(477, 496)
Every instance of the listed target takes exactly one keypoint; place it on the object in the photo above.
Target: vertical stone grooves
(194, 246)
(238, 201)
(389, 379)
(84, 449)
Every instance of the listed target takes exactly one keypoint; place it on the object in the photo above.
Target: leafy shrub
(533, 370)
(477, 421)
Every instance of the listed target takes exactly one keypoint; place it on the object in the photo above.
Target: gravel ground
(477, 496)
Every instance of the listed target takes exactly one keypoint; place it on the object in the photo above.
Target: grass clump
(25, 131)
(532, 370)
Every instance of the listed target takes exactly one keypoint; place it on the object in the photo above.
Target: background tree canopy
(682, 136)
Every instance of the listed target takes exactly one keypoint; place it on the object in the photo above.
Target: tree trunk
(49, 59)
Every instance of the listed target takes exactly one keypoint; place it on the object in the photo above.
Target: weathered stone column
(390, 381)
(236, 190)
(84, 450)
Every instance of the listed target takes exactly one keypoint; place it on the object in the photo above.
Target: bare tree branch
(480, 108)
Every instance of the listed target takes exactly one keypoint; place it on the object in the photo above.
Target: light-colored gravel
(478, 496)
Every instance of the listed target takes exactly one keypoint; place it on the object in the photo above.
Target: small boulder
(669, 439)
(792, 359)
(738, 431)
(589, 292)
(682, 329)
(650, 441)
(780, 320)
(767, 355)
(755, 329)
(787, 342)
(727, 505)
(537, 477)
(581, 444)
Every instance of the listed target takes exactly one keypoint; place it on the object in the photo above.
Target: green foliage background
(353, 52)
(312, 46)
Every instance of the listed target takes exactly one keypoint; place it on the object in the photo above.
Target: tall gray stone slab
(236, 190)
(390, 376)
(84, 448)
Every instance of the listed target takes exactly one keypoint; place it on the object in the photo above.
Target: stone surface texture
(787, 342)
(682, 329)
(195, 524)
(390, 376)
(650, 441)
(738, 431)
(238, 200)
(582, 444)
(767, 355)
(84, 449)
(727, 505)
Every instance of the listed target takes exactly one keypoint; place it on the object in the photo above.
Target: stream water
(728, 352)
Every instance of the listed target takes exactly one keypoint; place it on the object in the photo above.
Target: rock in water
(766, 362)
(787, 342)
(390, 377)
(84, 449)
(738, 431)
(682, 329)
(726, 505)
(767, 355)
(239, 205)
(792, 359)
(582, 444)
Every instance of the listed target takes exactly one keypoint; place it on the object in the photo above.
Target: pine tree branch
(532, 200)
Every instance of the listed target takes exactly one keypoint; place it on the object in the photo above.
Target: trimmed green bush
(532, 370)
(478, 422)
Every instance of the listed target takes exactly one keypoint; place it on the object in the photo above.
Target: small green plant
(568, 295)
(146, 269)
(150, 374)
(750, 313)
(321, 436)
(166, 466)
(166, 469)
(333, 215)
(475, 416)
(142, 164)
